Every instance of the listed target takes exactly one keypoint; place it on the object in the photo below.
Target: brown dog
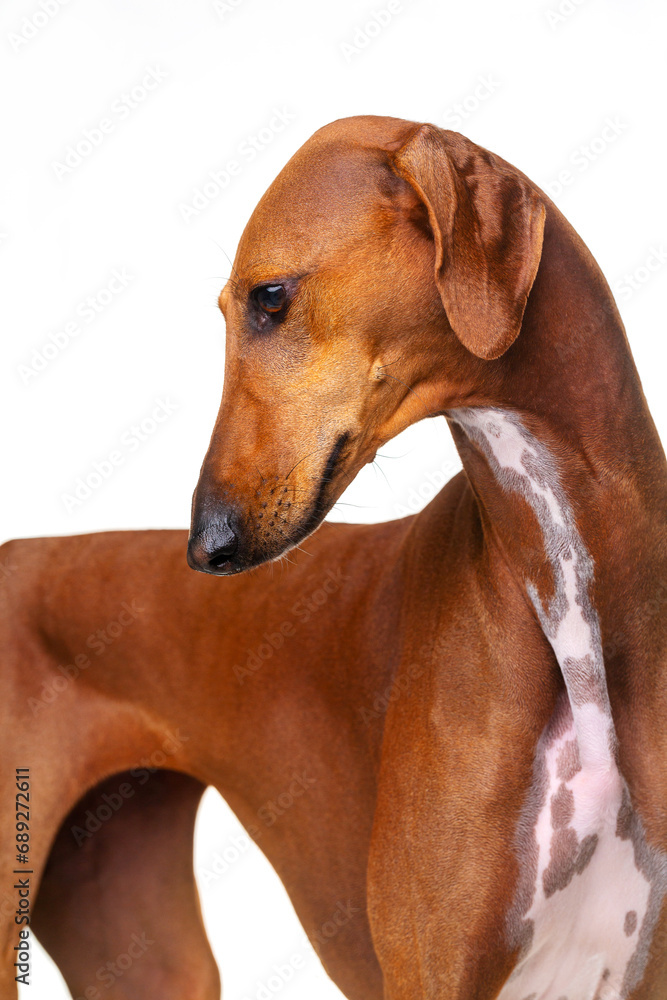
(463, 708)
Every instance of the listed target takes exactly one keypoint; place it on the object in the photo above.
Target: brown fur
(426, 274)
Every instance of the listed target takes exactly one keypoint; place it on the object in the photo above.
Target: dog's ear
(487, 224)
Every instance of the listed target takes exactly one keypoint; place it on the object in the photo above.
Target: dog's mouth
(226, 541)
(323, 500)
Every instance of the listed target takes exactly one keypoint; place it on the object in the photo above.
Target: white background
(534, 85)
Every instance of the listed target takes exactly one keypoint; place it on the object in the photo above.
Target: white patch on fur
(591, 887)
(579, 948)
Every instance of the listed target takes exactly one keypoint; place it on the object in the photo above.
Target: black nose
(213, 545)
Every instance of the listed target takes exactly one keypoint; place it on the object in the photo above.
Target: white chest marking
(590, 888)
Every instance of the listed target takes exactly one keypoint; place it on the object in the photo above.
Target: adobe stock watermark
(225, 7)
(111, 971)
(32, 24)
(485, 87)
(98, 643)
(632, 281)
(111, 802)
(268, 814)
(247, 151)
(585, 155)
(225, 859)
(7, 567)
(85, 313)
(342, 915)
(364, 34)
(130, 441)
(427, 489)
(377, 708)
(656, 605)
(302, 610)
(282, 973)
(562, 12)
(273, 809)
(624, 289)
(92, 138)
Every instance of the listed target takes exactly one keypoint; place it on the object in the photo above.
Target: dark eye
(270, 298)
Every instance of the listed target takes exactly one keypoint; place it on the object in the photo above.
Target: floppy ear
(487, 223)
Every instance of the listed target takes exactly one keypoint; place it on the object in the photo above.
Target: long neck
(571, 479)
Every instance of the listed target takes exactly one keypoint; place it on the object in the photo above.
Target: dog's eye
(270, 298)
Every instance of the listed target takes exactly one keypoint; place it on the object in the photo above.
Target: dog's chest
(590, 887)
(590, 908)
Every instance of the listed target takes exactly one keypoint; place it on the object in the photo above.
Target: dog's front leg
(118, 908)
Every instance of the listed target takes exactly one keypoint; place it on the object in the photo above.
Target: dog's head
(384, 259)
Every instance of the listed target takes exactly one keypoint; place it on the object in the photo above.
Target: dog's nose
(213, 545)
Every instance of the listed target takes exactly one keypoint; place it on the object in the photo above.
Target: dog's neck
(524, 468)
(571, 487)
(566, 446)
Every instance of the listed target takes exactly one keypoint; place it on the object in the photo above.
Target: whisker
(377, 466)
(300, 548)
(394, 362)
(221, 277)
(310, 453)
(231, 263)
(408, 387)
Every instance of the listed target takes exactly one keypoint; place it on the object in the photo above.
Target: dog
(445, 732)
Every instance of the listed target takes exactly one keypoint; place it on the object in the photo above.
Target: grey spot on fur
(653, 865)
(562, 807)
(569, 762)
(521, 930)
(585, 680)
(560, 870)
(568, 858)
(586, 852)
(561, 541)
(630, 923)
(624, 818)
(584, 683)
